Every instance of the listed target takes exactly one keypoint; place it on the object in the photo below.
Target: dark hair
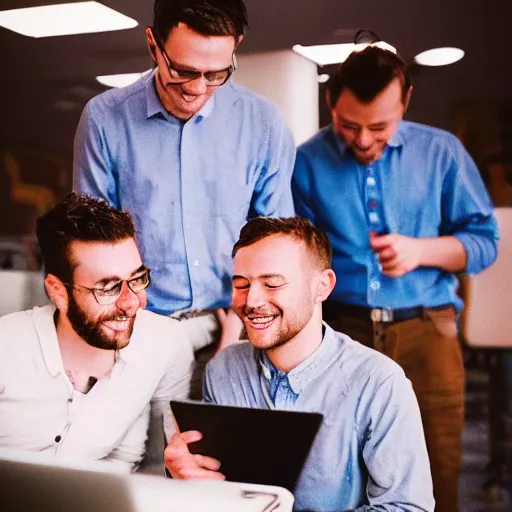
(367, 73)
(208, 17)
(301, 229)
(78, 218)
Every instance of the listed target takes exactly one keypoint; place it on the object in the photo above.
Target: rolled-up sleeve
(468, 210)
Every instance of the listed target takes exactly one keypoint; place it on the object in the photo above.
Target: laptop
(259, 446)
(30, 482)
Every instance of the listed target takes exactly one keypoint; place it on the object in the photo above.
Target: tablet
(258, 446)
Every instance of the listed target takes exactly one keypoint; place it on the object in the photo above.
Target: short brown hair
(208, 17)
(78, 218)
(367, 73)
(301, 229)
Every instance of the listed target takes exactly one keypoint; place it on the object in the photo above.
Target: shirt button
(374, 217)
(371, 180)
(57, 439)
(196, 263)
(375, 285)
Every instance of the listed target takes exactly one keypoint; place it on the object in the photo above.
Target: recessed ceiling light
(323, 78)
(439, 56)
(335, 53)
(65, 19)
(121, 80)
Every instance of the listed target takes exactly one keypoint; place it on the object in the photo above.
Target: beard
(281, 336)
(91, 331)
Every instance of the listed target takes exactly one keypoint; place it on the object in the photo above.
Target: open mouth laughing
(119, 323)
(259, 321)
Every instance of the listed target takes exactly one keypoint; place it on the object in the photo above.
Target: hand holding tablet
(252, 445)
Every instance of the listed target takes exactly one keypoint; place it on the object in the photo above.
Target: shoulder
(235, 358)
(27, 318)
(244, 100)
(159, 335)
(109, 101)
(320, 146)
(362, 365)
(429, 137)
(21, 330)
(323, 137)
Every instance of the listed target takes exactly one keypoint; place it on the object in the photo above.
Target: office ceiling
(46, 82)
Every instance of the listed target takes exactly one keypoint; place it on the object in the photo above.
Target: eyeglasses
(106, 296)
(211, 78)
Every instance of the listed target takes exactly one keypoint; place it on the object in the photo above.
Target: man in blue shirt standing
(370, 451)
(189, 154)
(406, 210)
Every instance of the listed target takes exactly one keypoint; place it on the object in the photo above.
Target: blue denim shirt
(370, 452)
(424, 185)
(190, 186)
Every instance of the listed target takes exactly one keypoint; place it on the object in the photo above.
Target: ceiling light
(65, 19)
(439, 56)
(121, 80)
(323, 78)
(335, 53)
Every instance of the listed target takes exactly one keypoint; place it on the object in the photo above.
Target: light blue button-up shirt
(424, 185)
(190, 186)
(369, 453)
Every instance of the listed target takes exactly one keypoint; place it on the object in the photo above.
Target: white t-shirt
(40, 410)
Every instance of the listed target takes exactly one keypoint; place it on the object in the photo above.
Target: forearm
(445, 252)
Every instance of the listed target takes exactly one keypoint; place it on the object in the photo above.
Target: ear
(56, 291)
(325, 285)
(407, 98)
(238, 41)
(150, 39)
(328, 98)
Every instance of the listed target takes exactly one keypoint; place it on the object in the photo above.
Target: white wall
(290, 81)
(20, 290)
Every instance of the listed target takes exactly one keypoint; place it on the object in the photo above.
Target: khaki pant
(428, 350)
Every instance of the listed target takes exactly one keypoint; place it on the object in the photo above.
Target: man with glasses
(78, 378)
(190, 154)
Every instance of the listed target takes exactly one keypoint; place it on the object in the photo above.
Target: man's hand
(231, 327)
(398, 254)
(184, 465)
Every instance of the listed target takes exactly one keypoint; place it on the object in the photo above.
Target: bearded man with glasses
(192, 156)
(78, 378)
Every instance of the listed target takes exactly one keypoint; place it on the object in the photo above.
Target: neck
(78, 355)
(289, 355)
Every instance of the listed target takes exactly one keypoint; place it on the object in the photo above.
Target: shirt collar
(45, 327)
(154, 106)
(397, 139)
(44, 323)
(128, 354)
(309, 369)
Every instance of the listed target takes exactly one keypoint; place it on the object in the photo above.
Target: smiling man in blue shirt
(190, 154)
(370, 453)
(406, 210)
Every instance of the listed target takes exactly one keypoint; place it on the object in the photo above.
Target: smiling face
(274, 290)
(367, 127)
(189, 51)
(100, 266)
